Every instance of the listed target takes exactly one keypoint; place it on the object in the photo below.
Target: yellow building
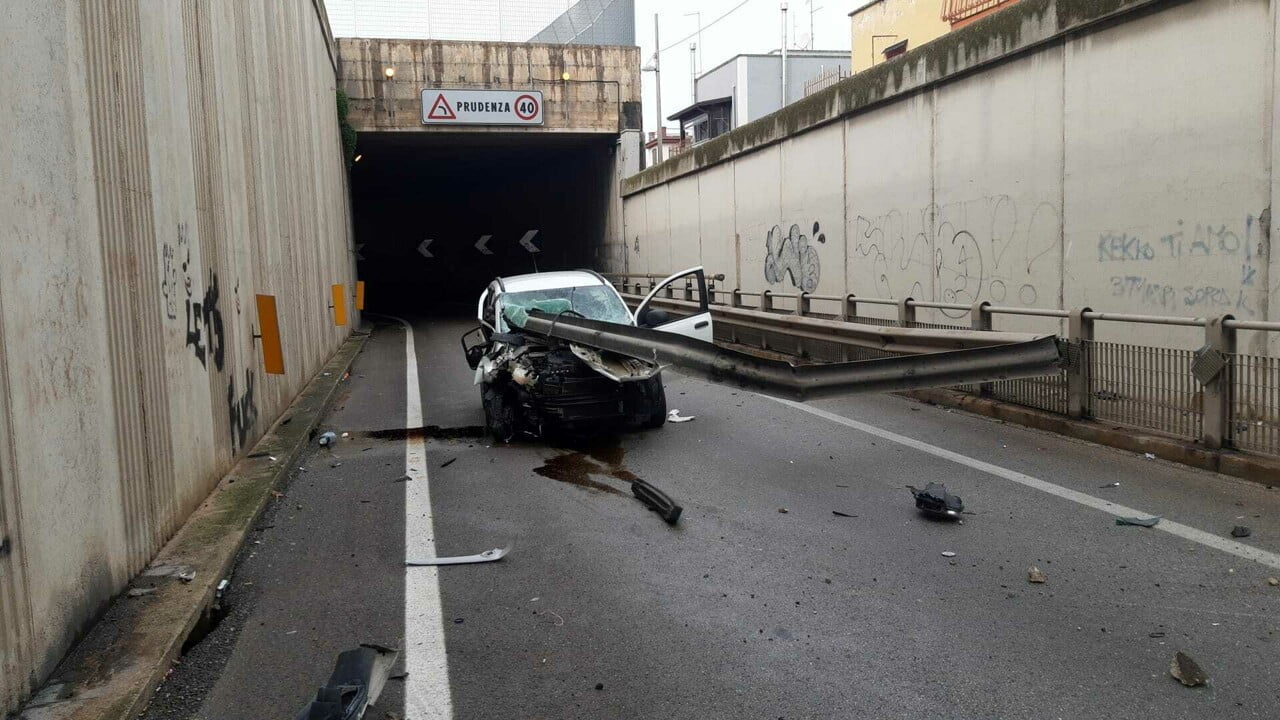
(884, 29)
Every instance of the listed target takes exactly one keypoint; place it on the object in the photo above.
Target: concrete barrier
(164, 162)
(1057, 154)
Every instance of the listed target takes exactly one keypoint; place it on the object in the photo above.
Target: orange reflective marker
(269, 322)
(339, 305)
(359, 294)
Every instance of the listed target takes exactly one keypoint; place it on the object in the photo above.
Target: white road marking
(1185, 532)
(426, 692)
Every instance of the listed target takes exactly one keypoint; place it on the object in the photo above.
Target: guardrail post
(670, 291)
(735, 298)
(906, 312)
(766, 301)
(802, 304)
(848, 313)
(688, 289)
(1216, 402)
(850, 310)
(1079, 335)
(980, 319)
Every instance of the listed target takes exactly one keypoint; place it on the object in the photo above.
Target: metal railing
(1214, 395)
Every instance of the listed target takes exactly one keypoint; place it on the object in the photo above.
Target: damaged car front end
(533, 385)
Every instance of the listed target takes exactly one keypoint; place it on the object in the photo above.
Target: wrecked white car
(535, 386)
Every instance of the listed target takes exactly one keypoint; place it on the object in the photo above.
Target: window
(895, 50)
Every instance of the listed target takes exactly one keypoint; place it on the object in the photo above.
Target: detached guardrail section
(919, 358)
(1213, 395)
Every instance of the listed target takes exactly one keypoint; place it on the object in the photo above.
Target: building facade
(748, 87)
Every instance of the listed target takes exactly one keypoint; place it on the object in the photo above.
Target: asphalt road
(761, 603)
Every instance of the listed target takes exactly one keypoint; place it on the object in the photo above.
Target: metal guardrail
(1144, 387)
(982, 356)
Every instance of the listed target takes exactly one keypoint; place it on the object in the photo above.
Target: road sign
(483, 245)
(481, 107)
(422, 248)
(526, 242)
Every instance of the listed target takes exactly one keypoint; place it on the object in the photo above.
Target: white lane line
(426, 692)
(1186, 532)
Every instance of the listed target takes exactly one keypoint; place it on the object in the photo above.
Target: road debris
(784, 511)
(948, 554)
(1146, 522)
(1241, 531)
(675, 417)
(837, 513)
(1149, 456)
(139, 592)
(1109, 485)
(403, 478)
(657, 501)
(1187, 671)
(935, 501)
(1036, 575)
(187, 576)
(356, 683)
(327, 438)
(1273, 581)
(448, 462)
(484, 557)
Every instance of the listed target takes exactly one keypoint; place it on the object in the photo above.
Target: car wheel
(652, 406)
(499, 414)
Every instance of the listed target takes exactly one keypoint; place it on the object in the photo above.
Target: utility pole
(784, 54)
(812, 11)
(693, 71)
(699, 14)
(657, 82)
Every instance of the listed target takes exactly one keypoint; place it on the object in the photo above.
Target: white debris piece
(675, 417)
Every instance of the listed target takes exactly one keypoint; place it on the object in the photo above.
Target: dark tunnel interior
(453, 189)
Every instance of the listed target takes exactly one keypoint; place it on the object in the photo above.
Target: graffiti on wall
(172, 279)
(790, 258)
(204, 325)
(984, 249)
(205, 329)
(1224, 246)
(242, 411)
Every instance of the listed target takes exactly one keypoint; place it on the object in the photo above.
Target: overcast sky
(752, 28)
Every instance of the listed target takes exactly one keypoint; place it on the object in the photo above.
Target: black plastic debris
(935, 501)
(1241, 531)
(1187, 671)
(657, 501)
(356, 683)
(837, 513)
(1138, 521)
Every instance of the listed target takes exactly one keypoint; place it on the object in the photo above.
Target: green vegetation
(344, 127)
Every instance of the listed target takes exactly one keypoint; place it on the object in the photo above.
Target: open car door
(697, 325)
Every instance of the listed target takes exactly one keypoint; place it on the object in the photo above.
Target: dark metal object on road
(657, 501)
(970, 364)
(935, 501)
(1241, 531)
(354, 685)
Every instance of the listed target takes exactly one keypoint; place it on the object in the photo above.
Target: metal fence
(1213, 395)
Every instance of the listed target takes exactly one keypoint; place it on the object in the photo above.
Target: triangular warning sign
(440, 110)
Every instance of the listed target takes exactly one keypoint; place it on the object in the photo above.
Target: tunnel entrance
(452, 189)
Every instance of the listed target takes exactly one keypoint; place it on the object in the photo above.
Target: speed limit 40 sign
(481, 107)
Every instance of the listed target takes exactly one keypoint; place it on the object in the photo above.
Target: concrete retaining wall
(601, 94)
(1060, 153)
(163, 162)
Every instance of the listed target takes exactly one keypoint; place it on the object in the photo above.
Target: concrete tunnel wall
(1058, 154)
(163, 163)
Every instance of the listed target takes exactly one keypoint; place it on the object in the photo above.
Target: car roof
(550, 280)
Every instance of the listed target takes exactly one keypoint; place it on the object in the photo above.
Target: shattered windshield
(595, 302)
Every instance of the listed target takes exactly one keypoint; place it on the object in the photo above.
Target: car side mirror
(474, 346)
(654, 317)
